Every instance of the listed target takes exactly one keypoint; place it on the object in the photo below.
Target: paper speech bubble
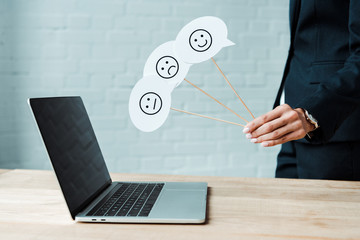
(149, 103)
(164, 63)
(201, 39)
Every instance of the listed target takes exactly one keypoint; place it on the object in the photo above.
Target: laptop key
(122, 212)
(112, 212)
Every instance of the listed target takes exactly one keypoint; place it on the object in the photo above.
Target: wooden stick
(233, 88)
(216, 100)
(203, 116)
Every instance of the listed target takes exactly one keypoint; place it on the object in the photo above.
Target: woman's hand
(281, 125)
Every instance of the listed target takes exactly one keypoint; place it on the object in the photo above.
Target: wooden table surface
(32, 207)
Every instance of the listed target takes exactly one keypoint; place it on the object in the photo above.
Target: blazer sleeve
(336, 99)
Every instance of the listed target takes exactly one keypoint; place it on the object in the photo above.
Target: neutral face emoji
(200, 40)
(150, 103)
(167, 67)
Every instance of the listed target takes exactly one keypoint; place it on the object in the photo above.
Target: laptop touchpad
(174, 203)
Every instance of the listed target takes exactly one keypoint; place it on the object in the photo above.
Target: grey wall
(97, 49)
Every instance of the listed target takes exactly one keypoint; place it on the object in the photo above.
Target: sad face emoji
(167, 67)
(200, 40)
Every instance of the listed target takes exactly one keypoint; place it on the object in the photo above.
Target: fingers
(273, 127)
(275, 134)
(286, 138)
(288, 118)
(260, 121)
(284, 134)
(281, 125)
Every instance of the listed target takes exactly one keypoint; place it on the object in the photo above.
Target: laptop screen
(73, 149)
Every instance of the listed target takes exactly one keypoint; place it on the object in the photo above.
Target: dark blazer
(322, 72)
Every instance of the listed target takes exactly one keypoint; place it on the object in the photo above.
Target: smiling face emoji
(150, 103)
(200, 40)
(167, 67)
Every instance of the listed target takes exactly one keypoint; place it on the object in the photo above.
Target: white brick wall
(97, 49)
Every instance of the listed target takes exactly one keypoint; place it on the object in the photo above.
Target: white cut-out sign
(168, 65)
(164, 63)
(149, 103)
(201, 39)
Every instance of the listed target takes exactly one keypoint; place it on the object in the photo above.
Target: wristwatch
(311, 120)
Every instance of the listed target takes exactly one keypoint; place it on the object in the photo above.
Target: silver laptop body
(89, 192)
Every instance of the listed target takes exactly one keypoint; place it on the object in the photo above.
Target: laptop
(89, 192)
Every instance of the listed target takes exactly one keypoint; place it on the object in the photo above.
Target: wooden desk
(32, 207)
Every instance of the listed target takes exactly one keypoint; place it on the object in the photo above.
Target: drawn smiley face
(200, 40)
(150, 103)
(167, 67)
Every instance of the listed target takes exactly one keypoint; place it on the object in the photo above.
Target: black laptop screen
(73, 149)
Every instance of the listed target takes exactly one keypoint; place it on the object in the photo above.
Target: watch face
(311, 119)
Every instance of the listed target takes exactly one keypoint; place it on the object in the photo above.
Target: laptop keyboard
(128, 199)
